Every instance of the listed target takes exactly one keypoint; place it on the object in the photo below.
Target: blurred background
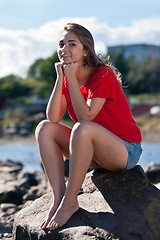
(128, 31)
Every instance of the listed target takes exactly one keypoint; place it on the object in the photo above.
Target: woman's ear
(85, 53)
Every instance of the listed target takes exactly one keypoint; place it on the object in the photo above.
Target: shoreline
(17, 139)
(147, 137)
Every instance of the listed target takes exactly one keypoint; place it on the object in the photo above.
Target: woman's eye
(61, 45)
(72, 44)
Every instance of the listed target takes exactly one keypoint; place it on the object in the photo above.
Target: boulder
(121, 205)
(9, 191)
(16, 185)
(7, 212)
(10, 164)
(10, 194)
(7, 206)
(153, 172)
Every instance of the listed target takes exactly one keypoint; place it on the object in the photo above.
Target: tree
(10, 86)
(120, 62)
(30, 85)
(151, 75)
(34, 69)
(43, 70)
(144, 77)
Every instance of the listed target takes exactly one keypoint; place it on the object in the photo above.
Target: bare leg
(53, 140)
(88, 141)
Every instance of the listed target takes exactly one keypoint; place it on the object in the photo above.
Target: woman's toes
(52, 226)
(43, 223)
(56, 225)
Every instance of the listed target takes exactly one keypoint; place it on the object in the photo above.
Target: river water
(28, 155)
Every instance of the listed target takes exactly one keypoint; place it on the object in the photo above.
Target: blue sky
(24, 14)
(29, 29)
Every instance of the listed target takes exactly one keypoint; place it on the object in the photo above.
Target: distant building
(140, 51)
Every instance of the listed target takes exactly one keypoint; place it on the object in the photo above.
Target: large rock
(9, 191)
(153, 172)
(122, 206)
(17, 186)
(10, 166)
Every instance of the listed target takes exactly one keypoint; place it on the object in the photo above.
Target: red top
(115, 114)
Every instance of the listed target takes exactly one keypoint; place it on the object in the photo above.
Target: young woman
(104, 135)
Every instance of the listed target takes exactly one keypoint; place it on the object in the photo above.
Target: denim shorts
(134, 153)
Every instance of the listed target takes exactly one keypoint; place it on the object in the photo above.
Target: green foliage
(10, 78)
(145, 97)
(30, 84)
(42, 89)
(10, 86)
(139, 77)
(44, 72)
(17, 113)
(120, 62)
(144, 77)
(34, 69)
(41, 76)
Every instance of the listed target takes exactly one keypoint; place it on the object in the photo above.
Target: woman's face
(70, 48)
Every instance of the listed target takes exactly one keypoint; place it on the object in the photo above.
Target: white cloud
(20, 48)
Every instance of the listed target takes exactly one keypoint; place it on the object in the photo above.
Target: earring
(84, 61)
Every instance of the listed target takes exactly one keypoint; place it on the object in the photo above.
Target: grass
(149, 124)
(145, 98)
(146, 124)
(67, 122)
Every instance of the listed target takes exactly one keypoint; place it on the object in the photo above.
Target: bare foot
(46, 220)
(64, 212)
(51, 212)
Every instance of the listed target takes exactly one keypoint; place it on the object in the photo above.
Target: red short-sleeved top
(115, 114)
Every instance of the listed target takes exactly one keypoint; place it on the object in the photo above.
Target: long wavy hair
(87, 41)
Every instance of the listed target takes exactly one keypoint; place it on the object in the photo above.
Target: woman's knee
(81, 129)
(43, 129)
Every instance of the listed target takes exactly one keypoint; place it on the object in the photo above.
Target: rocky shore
(18, 189)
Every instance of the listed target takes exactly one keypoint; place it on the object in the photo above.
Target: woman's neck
(83, 74)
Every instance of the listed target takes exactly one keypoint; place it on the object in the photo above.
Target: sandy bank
(16, 139)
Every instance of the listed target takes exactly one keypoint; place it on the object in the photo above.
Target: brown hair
(87, 40)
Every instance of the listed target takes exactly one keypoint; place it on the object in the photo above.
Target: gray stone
(15, 184)
(123, 206)
(157, 185)
(7, 163)
(153, 172)
(6, 206)
(10, 194)
(29, 179)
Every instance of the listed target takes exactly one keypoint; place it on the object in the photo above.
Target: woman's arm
(83, 110)
(57, 104)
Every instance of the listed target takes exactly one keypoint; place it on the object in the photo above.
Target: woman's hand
(59, 69)
(70, 70)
